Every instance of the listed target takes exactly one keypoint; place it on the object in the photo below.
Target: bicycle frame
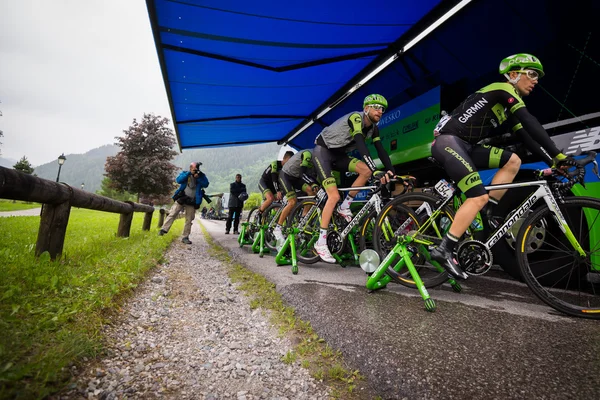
(374, 202)
(543, 192)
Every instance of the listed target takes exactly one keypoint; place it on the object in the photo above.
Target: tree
(143, 165)
(254, 200)
(24, 166)
(107, 191)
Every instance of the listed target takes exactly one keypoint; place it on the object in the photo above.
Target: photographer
(189, 197)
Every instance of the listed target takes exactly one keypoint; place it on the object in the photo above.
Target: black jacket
(235, 189)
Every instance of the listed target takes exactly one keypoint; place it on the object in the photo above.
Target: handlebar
(572, 177)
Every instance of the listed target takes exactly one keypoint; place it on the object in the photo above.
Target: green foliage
(107, 191)
(143, 165)
(11, 205)
(24, 166)
(254, 200)
(289, 357)
(51, 311)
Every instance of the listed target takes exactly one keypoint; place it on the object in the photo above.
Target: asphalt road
(495, 340)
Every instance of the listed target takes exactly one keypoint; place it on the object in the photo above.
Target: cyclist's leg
(288, 184)
(350, 164)
(267, 192)
(323, 158)
(453, 154)
(485, 156)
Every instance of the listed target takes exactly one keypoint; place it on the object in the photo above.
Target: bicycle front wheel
(553, 269)
(253, 223)
(270, 213)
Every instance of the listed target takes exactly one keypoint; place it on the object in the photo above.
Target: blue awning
(243, 72)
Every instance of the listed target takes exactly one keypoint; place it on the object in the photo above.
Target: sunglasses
(531, 74)
(377, 107)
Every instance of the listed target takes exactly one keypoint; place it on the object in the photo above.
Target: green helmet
(375, 99)
(521, 60)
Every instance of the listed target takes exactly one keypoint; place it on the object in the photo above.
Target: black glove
(196, 206)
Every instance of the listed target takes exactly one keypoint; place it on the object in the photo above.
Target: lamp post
(82, 185)
(61, 161)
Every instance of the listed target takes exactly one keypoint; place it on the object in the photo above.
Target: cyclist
(297, 173)
(333, 145)
(455, 146)
(268, 183)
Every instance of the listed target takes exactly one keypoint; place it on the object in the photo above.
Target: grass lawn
(51, 312)
(9, 205)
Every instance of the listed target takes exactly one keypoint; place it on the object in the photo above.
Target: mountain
(87, 168)
(219, 164)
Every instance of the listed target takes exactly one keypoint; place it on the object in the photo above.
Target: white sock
(346, 202)
(322, 237)
(277, 228)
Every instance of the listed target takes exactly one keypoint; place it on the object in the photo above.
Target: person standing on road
(237, 196)
(187, 197)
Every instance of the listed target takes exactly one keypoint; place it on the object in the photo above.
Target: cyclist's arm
(355, 124)
(275, 175)
(305, 165)
(383, 155)
(539, 139)
(531, 144)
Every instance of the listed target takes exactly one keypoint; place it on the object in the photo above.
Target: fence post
(161, 217)
(53, 227)
(147, 221)
(125, 224)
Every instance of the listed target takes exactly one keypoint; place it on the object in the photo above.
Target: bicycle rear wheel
(305, 239)
(552, 268)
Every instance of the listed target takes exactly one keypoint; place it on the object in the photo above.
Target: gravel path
(187, 333)
(21, 213)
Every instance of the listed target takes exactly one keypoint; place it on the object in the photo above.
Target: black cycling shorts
(266, 185)
(326, 161)
(289, 184)
(461, 160)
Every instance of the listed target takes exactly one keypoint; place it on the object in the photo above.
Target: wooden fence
(57, 200)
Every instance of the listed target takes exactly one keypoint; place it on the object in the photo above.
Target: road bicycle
(344, 238)
(258, 229)
(557, 246)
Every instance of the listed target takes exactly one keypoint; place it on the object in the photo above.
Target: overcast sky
(74, 74)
